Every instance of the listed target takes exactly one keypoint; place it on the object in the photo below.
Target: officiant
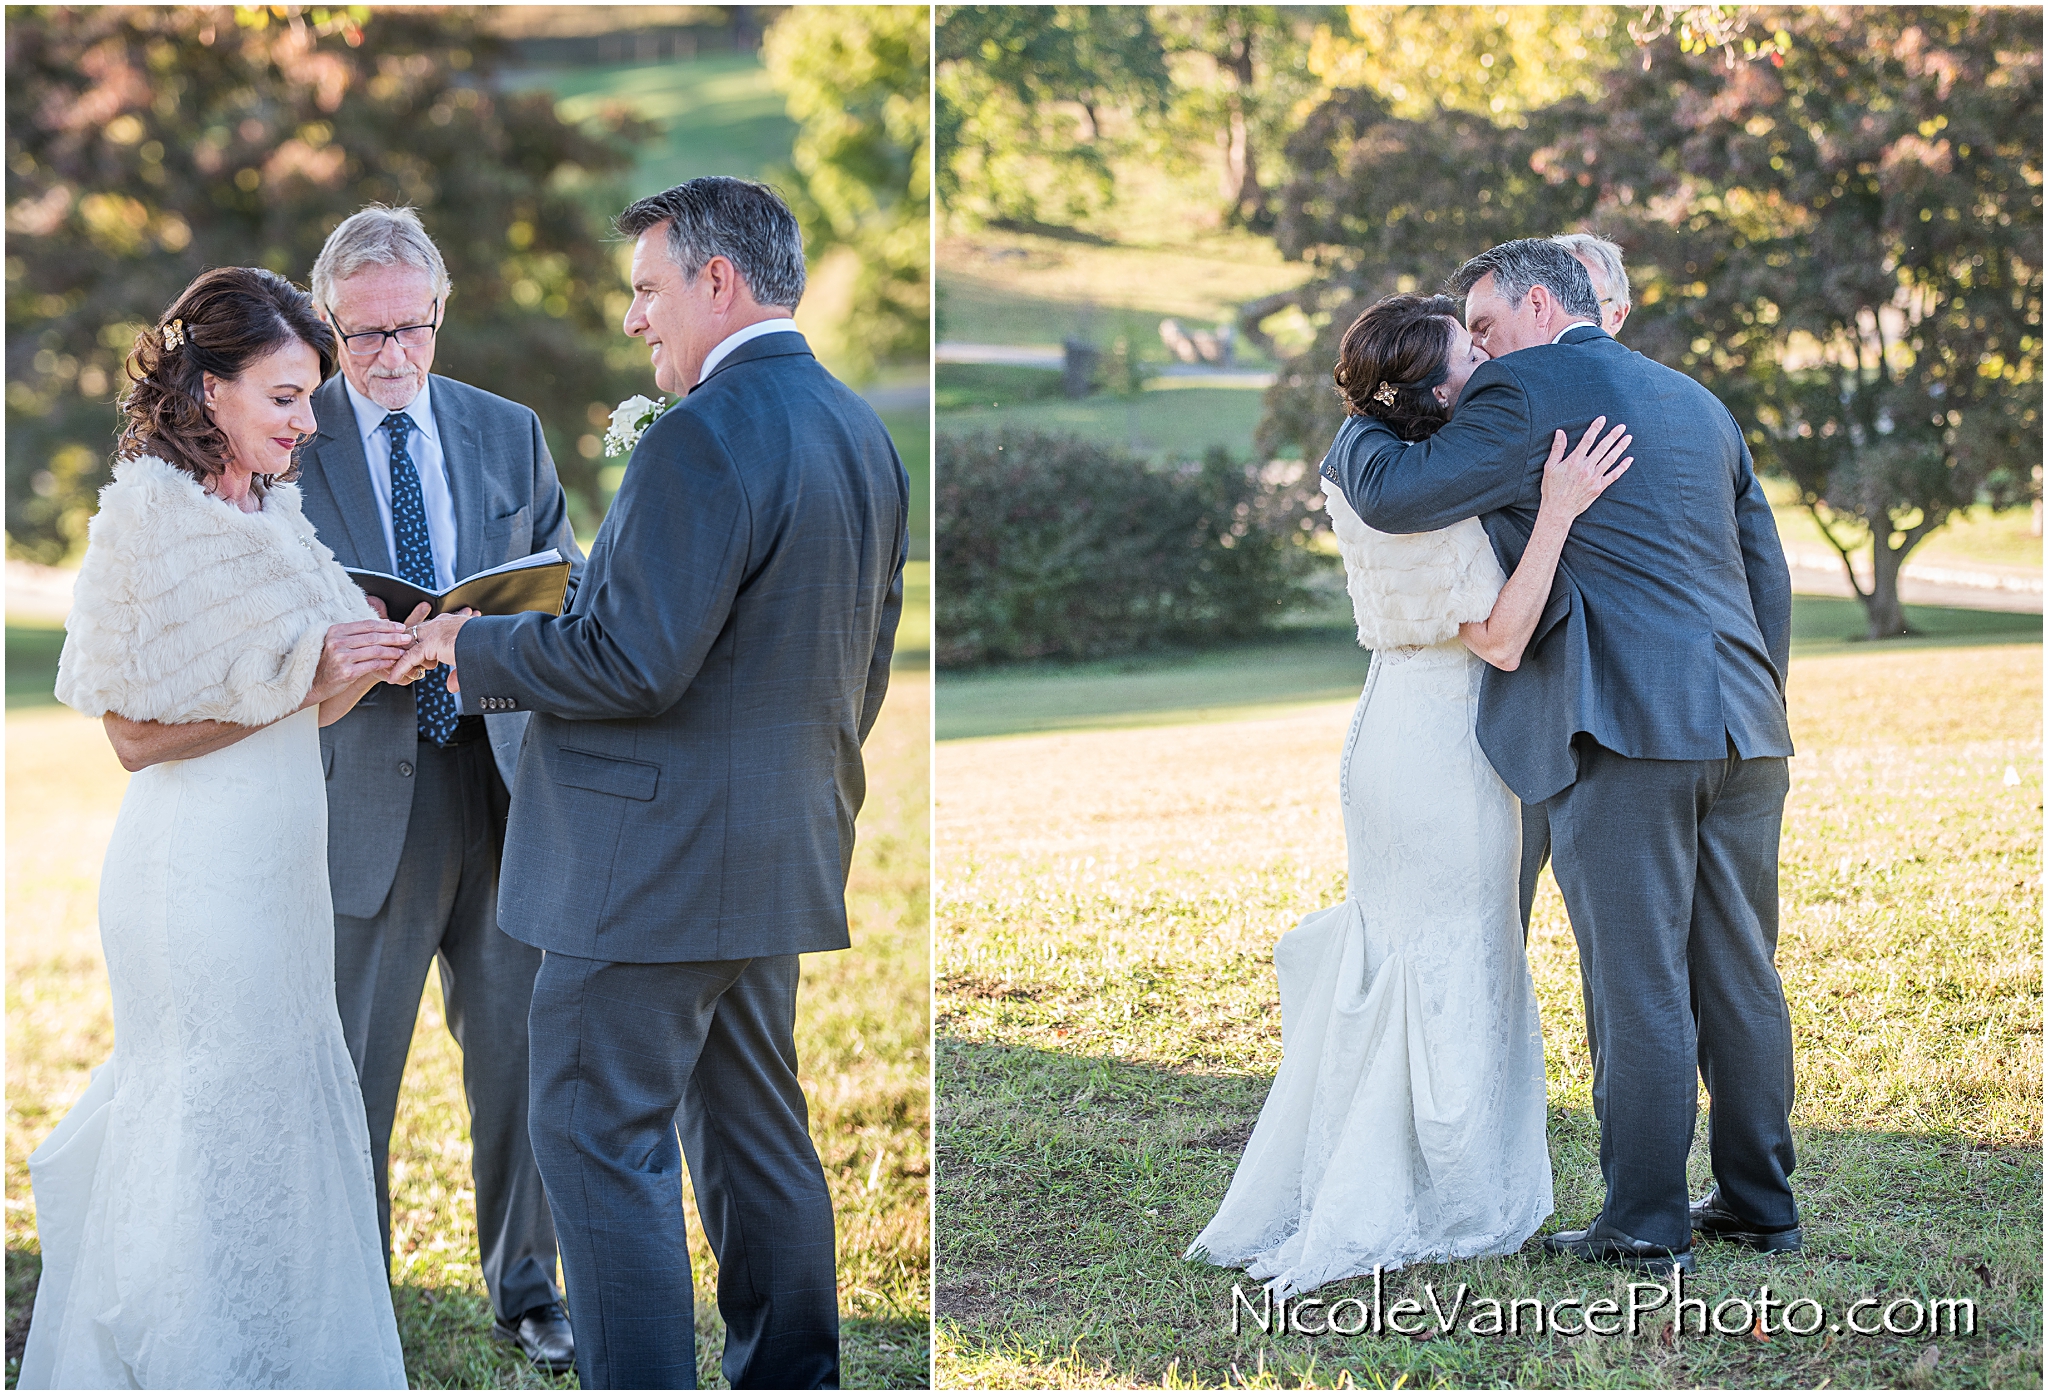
(431, 480)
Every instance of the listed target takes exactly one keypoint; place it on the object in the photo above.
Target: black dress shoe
(1602, 1243)
(543, 1334)
(1715, 1221)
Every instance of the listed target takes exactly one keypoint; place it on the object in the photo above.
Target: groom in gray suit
(433, 480)
(683, 820)
(1648, 718)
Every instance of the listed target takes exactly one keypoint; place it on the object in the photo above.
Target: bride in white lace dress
(1406, 1122)
(206, 1209)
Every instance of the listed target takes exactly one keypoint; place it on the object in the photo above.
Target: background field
(1107, 900)
(862, 1037)
(1321, 664)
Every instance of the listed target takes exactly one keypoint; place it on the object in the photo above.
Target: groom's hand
(437, 641)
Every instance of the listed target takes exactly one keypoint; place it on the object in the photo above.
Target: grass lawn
(1978, 534)
(863, 1036)
(1303, 668)
(1168, 419)
(1108, 1025)
(1029, 288)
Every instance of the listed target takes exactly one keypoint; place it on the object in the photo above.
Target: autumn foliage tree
(146, 144)
(1846, 246)
(1839, 233)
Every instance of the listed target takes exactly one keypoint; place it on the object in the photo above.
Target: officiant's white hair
(377, 236)
(1599, 252)
(718, 216)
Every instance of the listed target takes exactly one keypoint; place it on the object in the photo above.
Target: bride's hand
(353, 651)
(1571, 482)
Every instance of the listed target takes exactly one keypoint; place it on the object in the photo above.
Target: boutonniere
(629, 419)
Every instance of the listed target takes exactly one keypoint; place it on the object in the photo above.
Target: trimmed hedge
(1056, 546)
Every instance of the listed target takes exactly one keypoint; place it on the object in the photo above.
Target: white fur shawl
(1413, 588)
(188, 609)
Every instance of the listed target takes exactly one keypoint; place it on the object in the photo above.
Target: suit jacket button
(405, 768)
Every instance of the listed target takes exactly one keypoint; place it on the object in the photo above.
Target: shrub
(1059, 547)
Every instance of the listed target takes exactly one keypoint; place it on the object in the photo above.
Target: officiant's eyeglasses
(370, 342)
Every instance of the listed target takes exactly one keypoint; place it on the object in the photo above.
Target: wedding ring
(415, 634)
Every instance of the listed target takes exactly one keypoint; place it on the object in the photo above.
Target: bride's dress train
(1406, 1122)
(206, 1209)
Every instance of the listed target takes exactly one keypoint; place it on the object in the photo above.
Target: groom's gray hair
(717, 216)
(377, 236)
(1531, 261)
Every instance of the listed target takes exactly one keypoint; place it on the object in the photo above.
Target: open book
(538, 583)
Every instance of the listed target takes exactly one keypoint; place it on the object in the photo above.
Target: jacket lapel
(345, 470)
(462, 454)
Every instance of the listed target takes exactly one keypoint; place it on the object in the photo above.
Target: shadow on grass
(24, 1268)
(1068, 1188)
(1055, 231)
(1298, 668)
(446, 1336)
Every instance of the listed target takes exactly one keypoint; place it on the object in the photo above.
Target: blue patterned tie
(437, 706)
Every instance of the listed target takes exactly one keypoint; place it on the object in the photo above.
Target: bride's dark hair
(220, 324)
(1392, 356)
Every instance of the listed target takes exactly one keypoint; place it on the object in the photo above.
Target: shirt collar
(370, 416)
(778, 325)
(1576, 324)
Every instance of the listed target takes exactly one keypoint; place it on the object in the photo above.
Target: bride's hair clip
(1384, 394)
(174, 335)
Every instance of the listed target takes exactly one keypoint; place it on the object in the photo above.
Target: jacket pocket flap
(628, 779)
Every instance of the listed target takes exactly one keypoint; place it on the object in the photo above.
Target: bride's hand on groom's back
(1574, 478)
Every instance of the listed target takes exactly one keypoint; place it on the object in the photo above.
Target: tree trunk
(1881, 607)
(1240, 171)
(1245, 195)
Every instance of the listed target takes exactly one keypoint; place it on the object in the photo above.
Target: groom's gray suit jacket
(688, 785)
(1669, 624)
(508, 504)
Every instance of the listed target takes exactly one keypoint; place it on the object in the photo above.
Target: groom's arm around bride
(684, 813)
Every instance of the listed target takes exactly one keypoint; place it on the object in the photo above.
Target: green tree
(1021, 92)
(1502, 62)
(857, 79)
(1240, 73)
(145, 144)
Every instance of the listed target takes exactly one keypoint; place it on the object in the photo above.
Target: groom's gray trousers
(627, 1059)
(443, 906)
(1669, 869)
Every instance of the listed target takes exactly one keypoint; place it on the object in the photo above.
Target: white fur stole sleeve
(1413, 588)
(187, 609)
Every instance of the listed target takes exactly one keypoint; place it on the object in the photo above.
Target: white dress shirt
(424, 446)
(740, 336)
(1572, 326)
